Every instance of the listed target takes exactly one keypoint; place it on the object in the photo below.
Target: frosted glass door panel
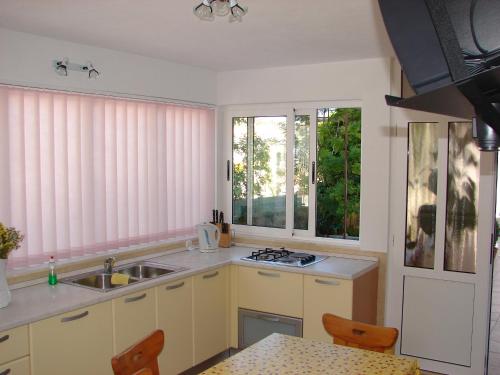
(421, 195)
(462, 199)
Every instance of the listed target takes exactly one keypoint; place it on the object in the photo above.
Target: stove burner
(284, 257)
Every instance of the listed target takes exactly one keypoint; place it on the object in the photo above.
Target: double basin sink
(137, 272)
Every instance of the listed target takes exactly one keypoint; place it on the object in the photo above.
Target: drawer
(270, 291)
(17, 367)
(14, 344)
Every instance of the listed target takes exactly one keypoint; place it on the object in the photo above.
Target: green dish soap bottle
(52, 271)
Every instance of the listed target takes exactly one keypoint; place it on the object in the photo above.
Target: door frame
(397, 232)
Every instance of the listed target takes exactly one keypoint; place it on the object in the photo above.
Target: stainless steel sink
(144, 271)
(137, 272)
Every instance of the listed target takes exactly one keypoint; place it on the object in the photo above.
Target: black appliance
(284, 257)
(450, 52)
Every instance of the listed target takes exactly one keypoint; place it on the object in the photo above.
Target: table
(281, 354)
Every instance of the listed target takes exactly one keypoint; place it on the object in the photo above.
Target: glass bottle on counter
(52, 271)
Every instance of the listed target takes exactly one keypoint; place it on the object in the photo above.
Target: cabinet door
(134, 317)
(210, 292)
(77, 343)
(270, 291)
(325, 295)
(175, 318)
(17, 367)
(13, 344)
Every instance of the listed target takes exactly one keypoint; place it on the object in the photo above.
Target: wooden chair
(360, 335)
(141, 358)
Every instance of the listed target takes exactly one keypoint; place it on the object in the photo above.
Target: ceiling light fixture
(207, 8)
(63, 66)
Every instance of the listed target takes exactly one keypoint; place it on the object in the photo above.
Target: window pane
(269, 172)
(301, 172)
(240, 170)
(462, 199)
(338, 172)
(421, 195)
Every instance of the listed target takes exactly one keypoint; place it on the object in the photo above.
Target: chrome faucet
(108, 265)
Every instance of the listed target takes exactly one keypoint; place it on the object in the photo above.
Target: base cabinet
(210, 310)
(175, 318)
(325, 295)
(134, 317)
(77, 343)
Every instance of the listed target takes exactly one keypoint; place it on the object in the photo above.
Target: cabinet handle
(268, 318)
(211, 275)
(268, 274)
(6, 372)
(176, 286)
(74, 317)
(137, 298)
(327, 282)
(4, 338)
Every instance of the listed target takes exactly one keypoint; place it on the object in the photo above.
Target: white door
(442, 216)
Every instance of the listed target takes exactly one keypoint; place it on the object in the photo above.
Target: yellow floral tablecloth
(281, 354)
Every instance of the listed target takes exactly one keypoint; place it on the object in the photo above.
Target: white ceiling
(273, 33)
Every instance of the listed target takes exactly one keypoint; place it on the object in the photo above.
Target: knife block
(225, 238)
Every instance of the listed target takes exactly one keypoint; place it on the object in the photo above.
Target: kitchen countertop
(281, 354)
(40, 301)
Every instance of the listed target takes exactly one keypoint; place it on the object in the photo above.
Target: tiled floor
(494, 358)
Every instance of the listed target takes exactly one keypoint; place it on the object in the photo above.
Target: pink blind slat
(86, 174)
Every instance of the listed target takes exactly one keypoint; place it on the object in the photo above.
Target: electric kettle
(208, 237)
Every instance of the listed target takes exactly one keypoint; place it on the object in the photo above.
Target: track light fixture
(62, 67)
(207, 8)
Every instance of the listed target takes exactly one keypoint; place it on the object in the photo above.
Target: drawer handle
(176, 286)
(74, 317)
(327, 282)
(211, 275)
(268, 274)
(4, 338)
(268, 318)
(6, 372)
(137, 298)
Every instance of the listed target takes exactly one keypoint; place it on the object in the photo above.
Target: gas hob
(283, 257)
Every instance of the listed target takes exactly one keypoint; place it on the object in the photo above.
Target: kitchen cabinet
(352, 299)
(270, 291)
(321, 295)
(175, 318)
(77, 343)
(134, 317)
(13, 344)
(18, 367)
(210, 310)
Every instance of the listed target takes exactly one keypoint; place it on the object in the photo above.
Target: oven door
(253, 326)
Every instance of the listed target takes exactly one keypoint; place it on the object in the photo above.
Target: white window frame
(290, 110)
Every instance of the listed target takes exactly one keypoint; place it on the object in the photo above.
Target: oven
(253, 326)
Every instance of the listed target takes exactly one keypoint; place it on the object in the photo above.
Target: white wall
(27, 59)
(365, 80)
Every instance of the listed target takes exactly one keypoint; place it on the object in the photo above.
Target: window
(310, 165)
(84, 174)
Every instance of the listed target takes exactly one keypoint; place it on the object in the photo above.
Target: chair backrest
(360, 335)
(141, 358)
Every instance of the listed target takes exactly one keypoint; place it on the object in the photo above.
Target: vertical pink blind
(84, 174)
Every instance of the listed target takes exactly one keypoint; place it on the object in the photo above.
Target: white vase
(5, 296)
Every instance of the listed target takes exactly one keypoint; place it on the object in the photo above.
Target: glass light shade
(221, 8)
(204, 11)
(237, 11)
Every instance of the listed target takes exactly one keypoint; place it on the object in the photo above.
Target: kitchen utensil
(208, 237)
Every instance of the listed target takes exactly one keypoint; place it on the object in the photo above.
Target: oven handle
(268, 318)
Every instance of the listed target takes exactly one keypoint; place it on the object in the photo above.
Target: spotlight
(204, 10)
(62, 67)
(93, 72)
